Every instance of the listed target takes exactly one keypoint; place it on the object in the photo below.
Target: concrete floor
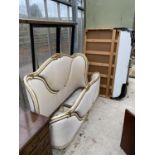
(101, 132)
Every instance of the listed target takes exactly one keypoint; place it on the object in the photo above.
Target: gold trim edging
(71, 111)
(64, 146)
(35, 75)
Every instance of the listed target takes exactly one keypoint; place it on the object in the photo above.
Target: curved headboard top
(56, 71)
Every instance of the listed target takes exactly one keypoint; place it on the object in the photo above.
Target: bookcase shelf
(101, 51)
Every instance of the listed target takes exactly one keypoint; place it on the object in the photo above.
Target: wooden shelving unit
(101, 50)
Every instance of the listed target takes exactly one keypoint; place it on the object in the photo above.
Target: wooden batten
(101, 50)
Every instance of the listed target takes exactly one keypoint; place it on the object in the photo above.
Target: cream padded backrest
(54, 81)
(57, 72)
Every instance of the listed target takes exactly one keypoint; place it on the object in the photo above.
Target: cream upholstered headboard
(55, 80)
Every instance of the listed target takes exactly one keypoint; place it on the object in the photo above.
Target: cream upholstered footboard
(59, 89)
(64, 126)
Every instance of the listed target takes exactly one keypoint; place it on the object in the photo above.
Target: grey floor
(101, 132)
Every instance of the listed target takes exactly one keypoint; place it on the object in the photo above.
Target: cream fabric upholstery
(63, 84)
(71, 99)
(63, 131)
(57, 73)
(89, 97)
(59, 88)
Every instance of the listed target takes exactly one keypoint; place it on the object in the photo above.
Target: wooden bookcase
(101, 50)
